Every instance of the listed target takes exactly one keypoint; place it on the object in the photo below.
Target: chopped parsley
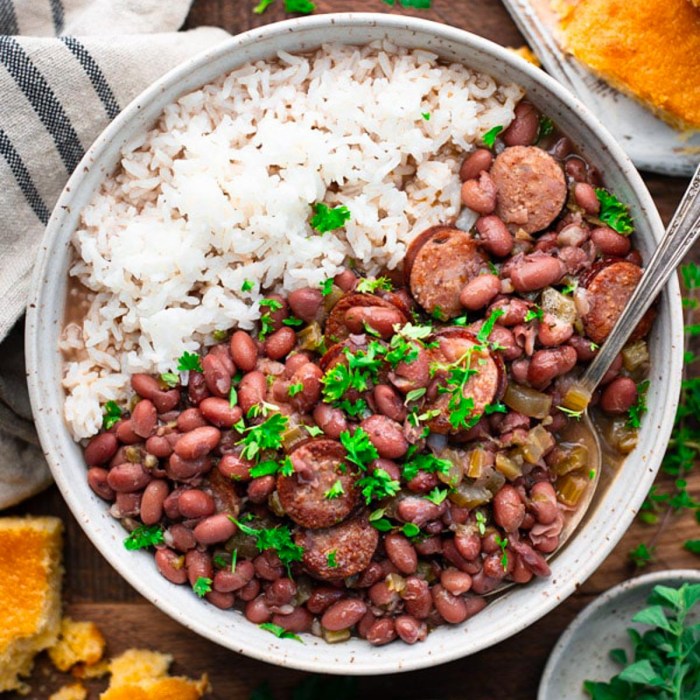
(368, 286)
(202, 586)
(546, 127)
(292, 321)
(613, 212)
(640, 405)
(266, 436)
(331, 561)
(335, 491)
(460, 320)
(360, 449)
(410, 530)
(570, 288)
(267, 468)
(258, 10)
(378, 485)
(144, 536)
(437, 495)
(534, 313)
(189, 362)
(361, 368)
(112, 414)
(326, 219)
(489, 138)
(326, 286)
(425, 463)
(295, 389)
(247, 286)
(169, 379)
(279, 631)
(414, 395)
(219, 335)
(480, 523)
(303, 7)
(313, 430)
(277, 538)
(485, 331)
(426, 116)
(502, 543)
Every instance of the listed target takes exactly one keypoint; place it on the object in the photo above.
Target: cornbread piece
(30, 593)
(80, 642)
(74, 691)
(649, 50)
(525, 53)
(141, 674)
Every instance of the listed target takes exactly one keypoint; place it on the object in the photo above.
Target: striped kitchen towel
(67, 68)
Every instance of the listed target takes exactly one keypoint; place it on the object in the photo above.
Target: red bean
(380, 319)
(252, 390)
(561, 148)
(619, 396)
(217, 379)
(152, 501)
(227, 581)
(371, 575)
(451, 554)
(576, 169)
(455, 582)
(215, 528)
(476, 162)
(381, 632)
(474, 604)
(297, 621)
(467, 543)
(586, 198)
(480, 292)
(493, 565)
(294, 363)
(386, 435)
(235, 468)
(220, 412)
(190, 419)
(543, 501)
(165, 401)
(535, 272)
(101, 449)
(280, 592)
(508, 508)
(552, 331)
(306, 303)
(257, 611)
(127, 478)
(259, 489)
(125, 433)
(610, 242)
(346, 280)
(572, 235)
(483, 584)
(280, 343)
(417, 598)
(268, 566)
(382, 596)
(144, 418)
(309, 375)
(145, 385)
(331, 420)
(158, 446)
(520, 573)
(250, 590)
(97, 481)
(423, 482)
(480, 194)
(180, 469)
(194, 503)
(198, 566)
(343, 614)
(321, 598)
(401, 553)
(417, 510)
(548, 364)
(387, 465)
(197, 443)
(524, 128)
(127, 505)
(223, 601)
(409, 629)
(451, 608)
(244, 351)
(223, 354)
(171, 565)
(389, 403)
(197, 388)
(495, 236)
(182, 537)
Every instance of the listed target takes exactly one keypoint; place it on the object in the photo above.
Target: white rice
(221, 191)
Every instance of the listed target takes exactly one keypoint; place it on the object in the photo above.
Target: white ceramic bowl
(612, 511)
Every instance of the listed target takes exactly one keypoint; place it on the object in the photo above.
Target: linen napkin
(67, 68)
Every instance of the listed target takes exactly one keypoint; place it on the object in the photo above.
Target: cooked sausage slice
(608, 287)
(484, 387)
(439, 265)
(318, 465)
(225, 495)
(336, 327)
(353, 543)
(531, 187)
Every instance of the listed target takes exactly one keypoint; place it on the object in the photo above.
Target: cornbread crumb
(74, 691)
(649, 50)
(79, 642)
(101, 668)
(30, 594)
(141, 674)
(528, 55)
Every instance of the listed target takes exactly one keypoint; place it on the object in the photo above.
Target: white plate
(583, 651)
(650, 142)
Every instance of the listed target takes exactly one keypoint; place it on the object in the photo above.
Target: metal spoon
(680, 235)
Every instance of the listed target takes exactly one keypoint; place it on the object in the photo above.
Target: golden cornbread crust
(649, 50)
(79, 642)
(141, 674)
(30, 594)
(74, 691)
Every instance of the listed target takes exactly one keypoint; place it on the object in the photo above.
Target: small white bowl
(583, 651)
(611, 512)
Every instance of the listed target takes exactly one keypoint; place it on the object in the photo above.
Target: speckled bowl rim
(669, 577)
(611, 513)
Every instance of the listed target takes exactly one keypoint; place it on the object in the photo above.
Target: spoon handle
(680, 235)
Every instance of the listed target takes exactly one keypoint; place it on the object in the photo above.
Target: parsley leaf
(410, 530)
(368, 285)
(534, 313)
(248, 285)
(335, 491)
(613, 212)
(258, 10)
(189, 362)
(112, 414)
(485, 331)
(489, 138)
(267, 468)
(378, 485)
(480, 522)
(303, 7)
(295, 389)
(692, 546)
(279, 632)
(170, 379)
(425, 462)
(313, 430)
(331, 561)
(641, 555)
(546, 127)
(202, 586)
(414, 395)
(278, 538)
(266, 436)
(144, 536)
(426, 116)
(326, 287)
(502, 543)
(640, 405)
(360, 449)
(437, 495)
(326, 219)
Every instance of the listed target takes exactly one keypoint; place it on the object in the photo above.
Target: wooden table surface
(510, 670)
